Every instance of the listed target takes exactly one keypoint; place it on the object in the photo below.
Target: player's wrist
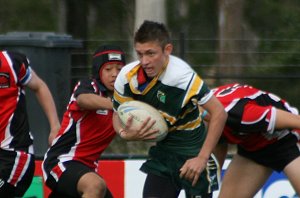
(203, 157)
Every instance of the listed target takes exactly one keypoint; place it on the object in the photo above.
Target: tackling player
(71, 162)
(266, 130)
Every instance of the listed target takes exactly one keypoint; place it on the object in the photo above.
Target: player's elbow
(221, 115)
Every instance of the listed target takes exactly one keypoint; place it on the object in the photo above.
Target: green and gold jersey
(175, 93)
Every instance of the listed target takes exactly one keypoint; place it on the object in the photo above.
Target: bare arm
(286, 120)
(218, 118)
(192, 168)
(43, 94)
(221, 149)
(93, 102)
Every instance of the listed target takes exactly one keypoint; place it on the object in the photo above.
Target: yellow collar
(132, 74)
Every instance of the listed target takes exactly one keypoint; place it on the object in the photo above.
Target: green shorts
(167, 164)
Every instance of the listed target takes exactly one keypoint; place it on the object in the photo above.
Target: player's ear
(168, 49)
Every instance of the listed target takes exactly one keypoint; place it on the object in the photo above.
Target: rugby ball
(140, 111)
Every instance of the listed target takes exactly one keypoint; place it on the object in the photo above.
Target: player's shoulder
(129, 67)
(178, 73)
(122, 76)
(179, 64)
(18, 57)
(86, 83)
(178, 68)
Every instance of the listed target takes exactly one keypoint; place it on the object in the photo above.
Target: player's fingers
(147, 124)
(196, 177)
(150, 124)
(182, 172)
(146, 127)
(129, 122)
(149, 138)
(143, 127)
(189, 174)
(149, 130)
(151, 135)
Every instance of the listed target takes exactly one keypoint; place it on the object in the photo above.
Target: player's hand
(142, 132)
(192, 169)
(53, 134)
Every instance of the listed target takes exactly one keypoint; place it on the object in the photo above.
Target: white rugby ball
(140, 111)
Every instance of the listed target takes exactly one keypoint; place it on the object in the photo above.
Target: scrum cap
(106, 54)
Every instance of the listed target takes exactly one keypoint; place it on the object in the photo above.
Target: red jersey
(15, 73)
(84, 134)
(251, 115)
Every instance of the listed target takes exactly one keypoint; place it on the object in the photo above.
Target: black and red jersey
(15, 73)
(251, 115)
(84, 134)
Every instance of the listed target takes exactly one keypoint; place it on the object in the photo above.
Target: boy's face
(108, 74)
(152, 56)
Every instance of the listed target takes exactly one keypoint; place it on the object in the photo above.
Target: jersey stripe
(194, 89)
(26, 78)
(10, 64)
(21, 164)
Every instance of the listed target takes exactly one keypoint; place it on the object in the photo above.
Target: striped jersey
(251, 115)
(84, 134)
(175, 93)
(15, 73)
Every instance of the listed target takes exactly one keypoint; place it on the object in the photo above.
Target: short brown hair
(152, 31)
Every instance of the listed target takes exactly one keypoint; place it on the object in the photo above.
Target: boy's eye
(150, 53)
(107, 67)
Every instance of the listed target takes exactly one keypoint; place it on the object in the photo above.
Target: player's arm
(204, 115)
(192, 169)
(90, 101)
(43, 94)
(217, 121)
(286, 120)
(220, 151)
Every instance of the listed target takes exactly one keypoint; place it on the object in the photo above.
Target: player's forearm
(214, 132)
(47, 103)
(93, 102)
